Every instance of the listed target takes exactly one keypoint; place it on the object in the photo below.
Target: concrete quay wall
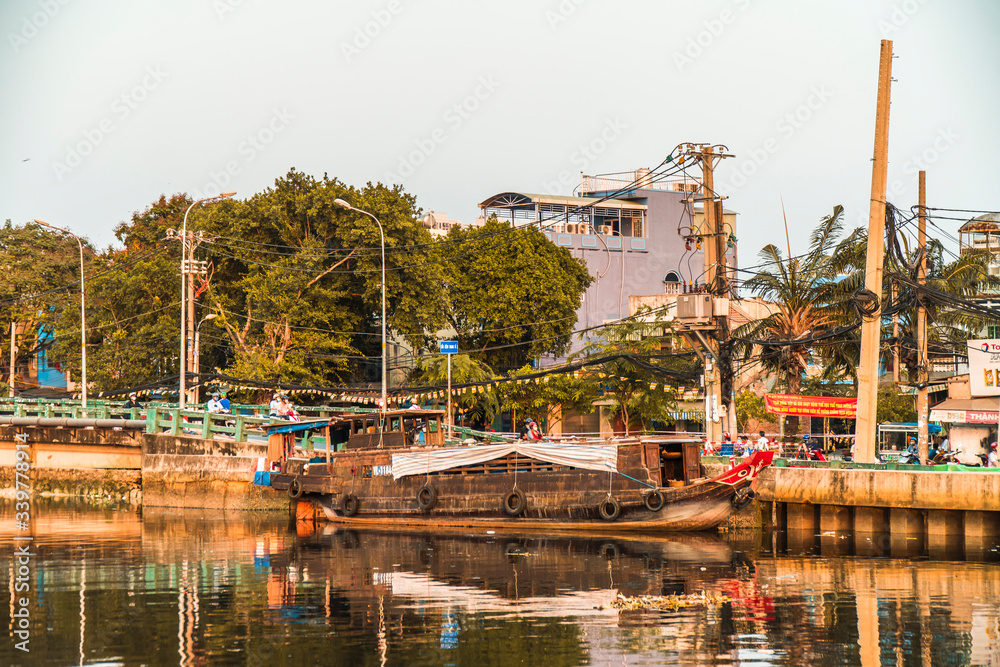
(191, 472)
(898, 502)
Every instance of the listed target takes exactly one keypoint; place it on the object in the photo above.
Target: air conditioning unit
(694, 307)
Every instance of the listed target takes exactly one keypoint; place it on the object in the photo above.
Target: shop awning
(967, 411)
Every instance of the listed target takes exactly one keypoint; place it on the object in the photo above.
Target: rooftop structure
(637, 233)
(440, 224)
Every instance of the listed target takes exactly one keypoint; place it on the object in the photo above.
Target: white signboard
(984, 367)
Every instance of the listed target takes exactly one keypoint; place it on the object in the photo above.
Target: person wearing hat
(993, 461)
(275, 405)
(132, 402)
(215, 405)
(524, 432)
(227, 405)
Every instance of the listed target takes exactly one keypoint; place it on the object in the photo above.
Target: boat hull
(556, 500)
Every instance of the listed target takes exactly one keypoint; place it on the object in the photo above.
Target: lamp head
(342, 203)
(225, 195)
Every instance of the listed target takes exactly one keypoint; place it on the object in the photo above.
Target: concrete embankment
(101, 464)
(211, 474)
(128, 465)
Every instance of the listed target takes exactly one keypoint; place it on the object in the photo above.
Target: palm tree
(807, 304)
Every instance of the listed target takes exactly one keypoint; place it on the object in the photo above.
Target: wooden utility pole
(865, 436)
(923, 367)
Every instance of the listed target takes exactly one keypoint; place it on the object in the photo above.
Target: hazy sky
(110, 104)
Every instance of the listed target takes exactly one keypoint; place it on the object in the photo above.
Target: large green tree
(512, 293)
(41, 282)
(297, 280)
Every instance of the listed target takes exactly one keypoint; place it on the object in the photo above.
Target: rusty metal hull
(557, 500)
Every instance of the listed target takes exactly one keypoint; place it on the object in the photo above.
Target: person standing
(132, 402)
(762, 442)
(993, 461)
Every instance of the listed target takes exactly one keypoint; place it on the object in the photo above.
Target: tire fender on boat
(349, 504)
(514, 502)
(654, 500)
(743, 498)
(609, 509)
(295, 489)
(427, 497)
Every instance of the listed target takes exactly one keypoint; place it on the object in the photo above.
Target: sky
(110, 105)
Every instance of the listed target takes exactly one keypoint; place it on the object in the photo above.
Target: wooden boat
(396, 470)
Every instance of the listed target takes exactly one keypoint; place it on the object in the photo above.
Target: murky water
(196, 588)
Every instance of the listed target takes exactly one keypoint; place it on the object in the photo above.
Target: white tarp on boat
(590, 457)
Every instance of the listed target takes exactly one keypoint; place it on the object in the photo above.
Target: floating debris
(669, 602)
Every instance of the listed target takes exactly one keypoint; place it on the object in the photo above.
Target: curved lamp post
(185, 343)
(381, 233)
(83, 314)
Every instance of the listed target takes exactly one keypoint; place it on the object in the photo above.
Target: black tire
(743, 498)
(654, 501)
(349, 504)
(609, 509)
(295, 490)
(427, 497)
(514, 503)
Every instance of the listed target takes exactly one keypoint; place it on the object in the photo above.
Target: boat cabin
(394, 429)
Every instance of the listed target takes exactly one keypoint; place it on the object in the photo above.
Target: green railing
(246, 420)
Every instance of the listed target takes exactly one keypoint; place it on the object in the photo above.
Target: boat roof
(341, 417)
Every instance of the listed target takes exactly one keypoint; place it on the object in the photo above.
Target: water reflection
(196, 588)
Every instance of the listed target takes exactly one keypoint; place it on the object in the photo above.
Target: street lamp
(83, 313)
(381, 233)
(185, 343)
(197, 351)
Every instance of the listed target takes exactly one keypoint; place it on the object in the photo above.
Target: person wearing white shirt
(762, 443)
(274, 406)
(215, 405)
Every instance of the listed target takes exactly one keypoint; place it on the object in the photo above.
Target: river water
(171, 587)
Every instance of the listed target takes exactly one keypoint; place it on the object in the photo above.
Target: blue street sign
(448, 346)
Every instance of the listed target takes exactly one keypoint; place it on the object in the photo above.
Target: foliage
(479, 407)
(298, 280)
(750, 411)
(537, 398)
(41, 283)
(895, 407)
(639, 362)
(513, 294)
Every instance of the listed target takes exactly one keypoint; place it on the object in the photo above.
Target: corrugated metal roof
(494, 201)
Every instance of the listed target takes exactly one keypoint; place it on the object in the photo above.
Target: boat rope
(635, 480)
(611, 478)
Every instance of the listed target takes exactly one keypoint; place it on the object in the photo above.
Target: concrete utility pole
(922, 364)
(865, 435)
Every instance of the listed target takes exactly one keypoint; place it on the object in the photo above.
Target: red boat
(396, 470)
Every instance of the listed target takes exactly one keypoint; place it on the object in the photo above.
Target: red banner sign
(811, 406)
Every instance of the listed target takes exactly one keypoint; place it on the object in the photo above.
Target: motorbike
(910, 457)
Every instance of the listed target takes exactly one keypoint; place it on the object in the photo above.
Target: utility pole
(713, 236)
(895, 341)
(923, 366)
(865, 436)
